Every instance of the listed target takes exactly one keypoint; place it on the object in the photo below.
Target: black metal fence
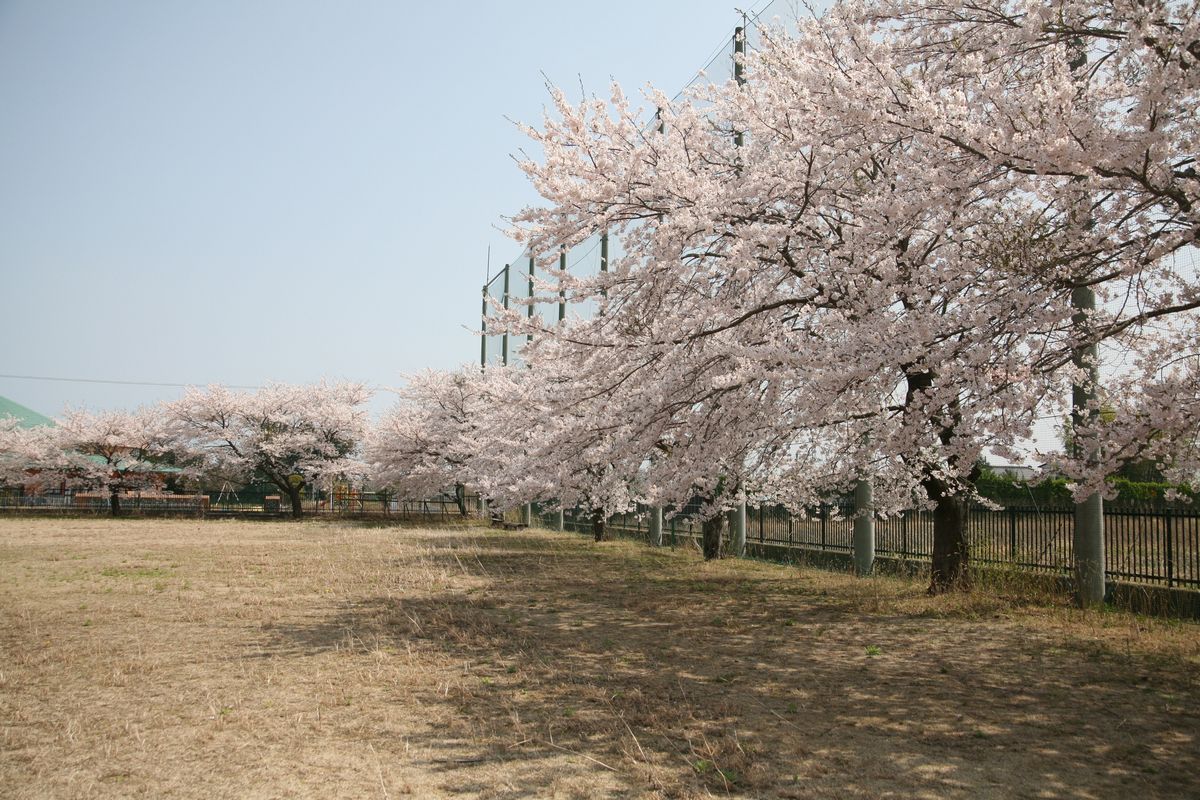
(243, 504)
(1155, 544)
(1150, 544)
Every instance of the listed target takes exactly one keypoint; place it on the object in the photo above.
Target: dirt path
(190, 659)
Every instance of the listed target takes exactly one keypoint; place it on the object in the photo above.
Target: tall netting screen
(532, 287)
(511, 288)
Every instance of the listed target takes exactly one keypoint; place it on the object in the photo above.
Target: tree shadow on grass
(687, 679)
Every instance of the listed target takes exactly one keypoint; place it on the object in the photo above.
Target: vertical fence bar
(1170, 549)
(1012, 534)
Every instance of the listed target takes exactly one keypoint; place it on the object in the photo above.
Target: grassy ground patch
(202, 659)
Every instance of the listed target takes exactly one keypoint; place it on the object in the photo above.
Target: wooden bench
(498, 521)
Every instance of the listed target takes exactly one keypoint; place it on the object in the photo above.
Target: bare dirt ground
(218, 659)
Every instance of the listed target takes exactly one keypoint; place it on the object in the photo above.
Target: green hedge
(1008, 490)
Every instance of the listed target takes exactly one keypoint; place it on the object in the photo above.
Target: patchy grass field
(221, 659)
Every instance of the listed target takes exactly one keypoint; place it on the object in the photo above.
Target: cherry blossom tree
(424, 445)
(109, 451)
(22, 450)
(859, 287)
(1087, 111)
(293, 436)
(751, 312)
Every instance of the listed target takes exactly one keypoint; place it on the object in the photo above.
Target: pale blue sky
(238, 192)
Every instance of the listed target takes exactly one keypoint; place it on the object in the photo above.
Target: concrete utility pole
(1088, 538)
(656, 526)
(864, 527)
(559, 521)
(527, 515)
(739, 53)
(737, 529)
(737, 517)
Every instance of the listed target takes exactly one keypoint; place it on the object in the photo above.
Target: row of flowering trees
(905, 235)
(289, 436)
(910, 232)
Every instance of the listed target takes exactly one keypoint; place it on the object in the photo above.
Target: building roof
(27, 417)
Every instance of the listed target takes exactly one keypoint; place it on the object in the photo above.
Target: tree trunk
(950, 557)
(297, 501)
(950, 561)
(598, 525)
(114, 502)
(711, 530)
(460, 497)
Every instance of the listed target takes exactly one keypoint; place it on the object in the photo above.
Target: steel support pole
(1089, 512)
(483, 330)
(864, 527)
(529, 311)
(504, 341)
(562, 293)
(604, 258)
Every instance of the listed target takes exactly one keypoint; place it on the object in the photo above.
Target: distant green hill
(27, 416)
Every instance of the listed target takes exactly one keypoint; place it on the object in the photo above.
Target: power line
(116, 382)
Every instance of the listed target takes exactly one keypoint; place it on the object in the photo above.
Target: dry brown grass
(219, 659)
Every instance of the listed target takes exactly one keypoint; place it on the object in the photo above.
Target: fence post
(824, 519)
(762, 510)
(656, 526)
(864, 527)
